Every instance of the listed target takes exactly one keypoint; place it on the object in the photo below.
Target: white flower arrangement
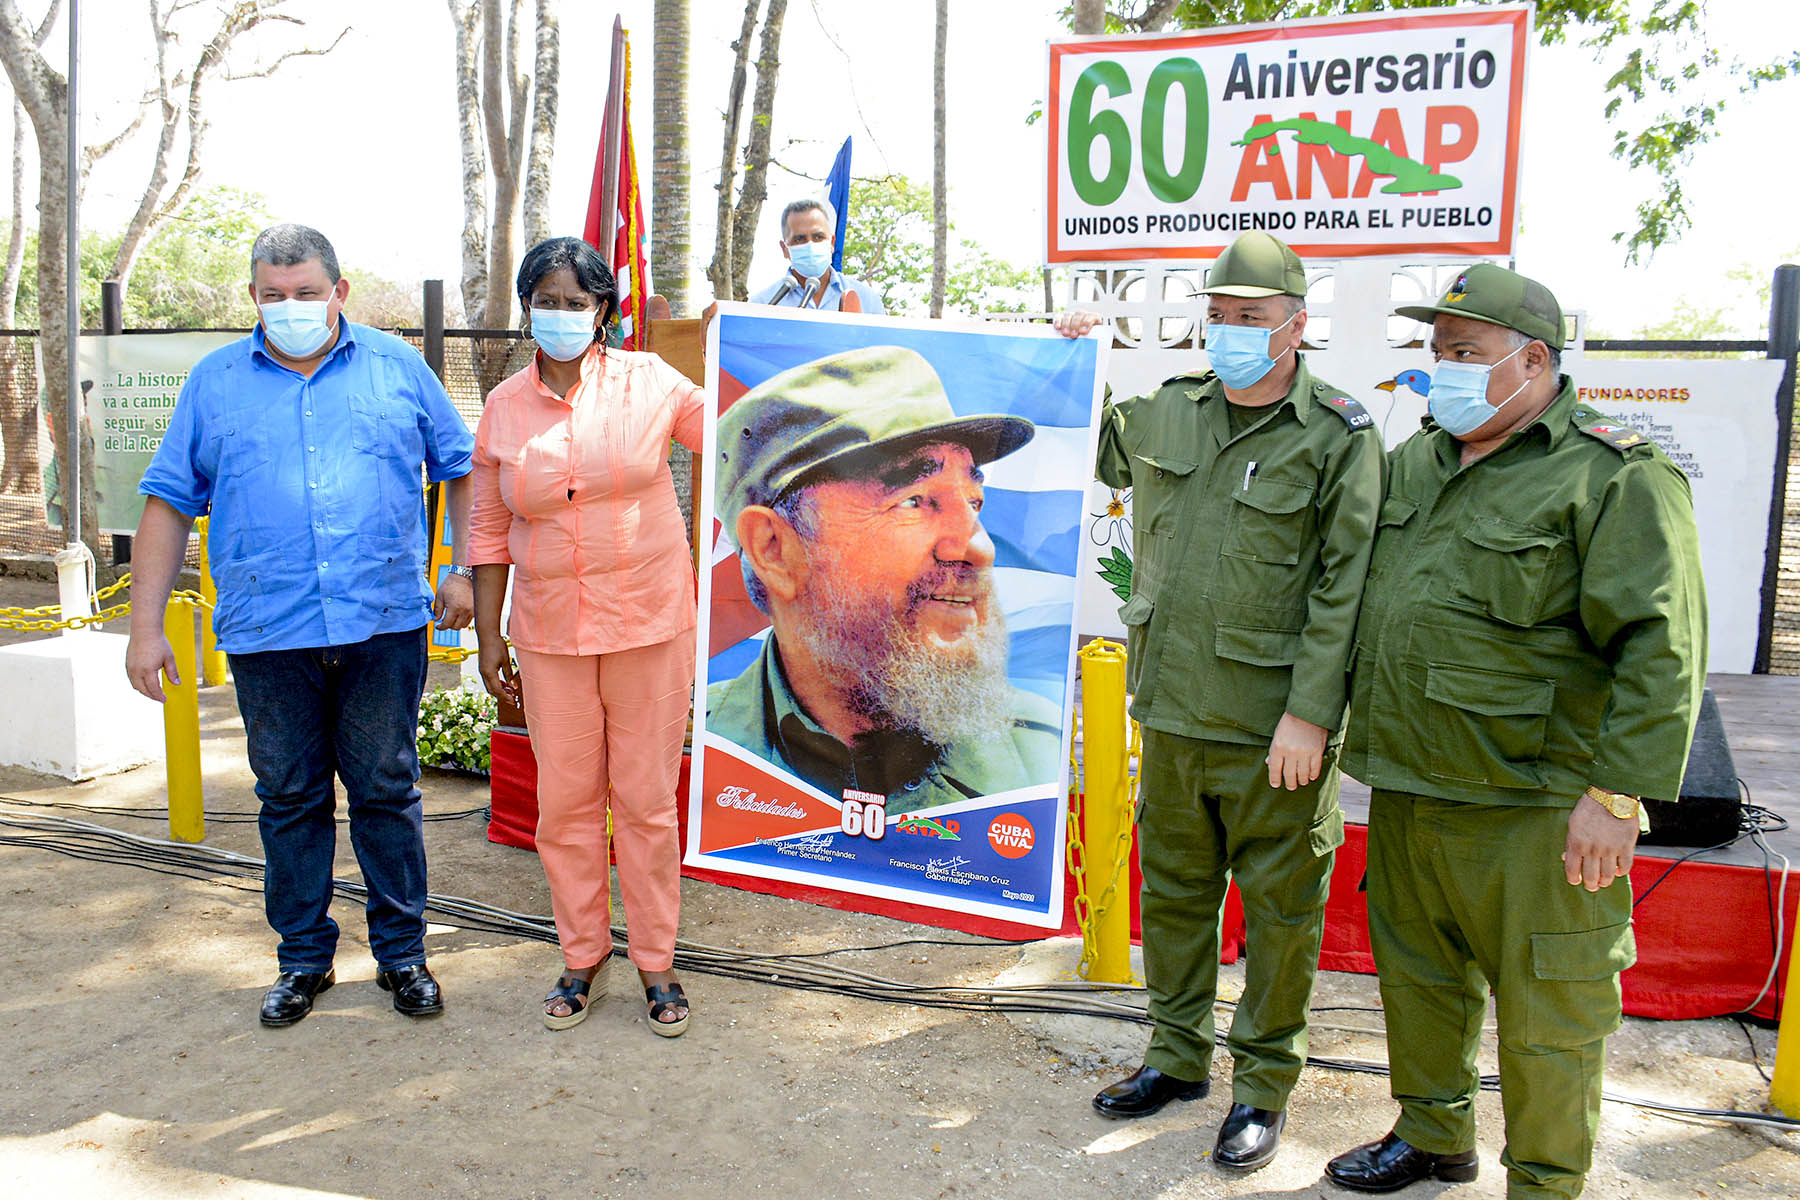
(454, 725)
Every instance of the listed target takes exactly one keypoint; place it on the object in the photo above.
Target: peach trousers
(608, 729)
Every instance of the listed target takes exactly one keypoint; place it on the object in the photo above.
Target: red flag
(619, 235)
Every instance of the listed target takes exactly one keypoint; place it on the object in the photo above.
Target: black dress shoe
(1249, 1137)
(292, 996)
(1391, 1164)
(415, 991)
(1144, 1091)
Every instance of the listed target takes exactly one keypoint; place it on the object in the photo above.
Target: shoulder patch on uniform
(1353, 413)
(1619, 437)
(1190, 383)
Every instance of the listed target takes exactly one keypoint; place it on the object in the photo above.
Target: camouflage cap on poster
(820, 417)
(1256, 265)
(1493, 294)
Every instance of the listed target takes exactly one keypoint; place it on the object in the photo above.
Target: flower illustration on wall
(1111, 527)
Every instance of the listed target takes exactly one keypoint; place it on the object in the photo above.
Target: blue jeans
(352, 711)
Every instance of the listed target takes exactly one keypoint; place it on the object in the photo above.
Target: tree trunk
(546, 67)
(466, 16)
(503, 95)
(18, 405)
(669, 216)
(18, 424)
(719, 272)
(45, 95)
(940, 195)
(756, 153)
(1090, 16)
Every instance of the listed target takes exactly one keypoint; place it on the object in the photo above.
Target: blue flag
(837, 194)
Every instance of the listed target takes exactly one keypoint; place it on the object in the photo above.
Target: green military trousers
(1207, 814)
(1464, 896)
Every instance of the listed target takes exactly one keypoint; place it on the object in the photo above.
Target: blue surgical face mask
(297, 327)
(1239, 354)
(811, 259)
(1458, 399)
(562, 334)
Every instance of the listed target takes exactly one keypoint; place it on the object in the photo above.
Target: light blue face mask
(561, 334)
(811, 259)
(297, 327)
(1458, 399)
(1239, 354)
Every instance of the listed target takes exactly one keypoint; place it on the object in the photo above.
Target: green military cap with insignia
(821, 417)
(1493, 294)
(1256, 265)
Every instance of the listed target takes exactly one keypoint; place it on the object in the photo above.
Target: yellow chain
(1088, 913)
(451, 654)
(31, 620)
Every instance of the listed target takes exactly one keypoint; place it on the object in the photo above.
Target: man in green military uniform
(1255, 488)
(1529, 662)
(853, 492)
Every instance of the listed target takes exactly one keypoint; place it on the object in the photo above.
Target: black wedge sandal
(662, 998)
(573, 990)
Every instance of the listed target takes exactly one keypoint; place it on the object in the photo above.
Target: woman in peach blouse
(573, 495)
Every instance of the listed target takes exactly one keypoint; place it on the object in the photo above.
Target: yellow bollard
(181, 728)
(1106, 821)
(1784, 1090)
(212, 659)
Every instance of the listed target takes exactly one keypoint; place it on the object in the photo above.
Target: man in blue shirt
(808, 235)
(305, 441)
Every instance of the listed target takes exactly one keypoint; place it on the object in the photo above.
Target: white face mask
(1458, 399)
(297, 327)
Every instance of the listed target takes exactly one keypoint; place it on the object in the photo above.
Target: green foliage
(1115, 570)
(888, 245)
(1664, 98)
(194, 273)
(453, 729)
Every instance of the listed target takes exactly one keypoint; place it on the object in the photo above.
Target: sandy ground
(135, 1066)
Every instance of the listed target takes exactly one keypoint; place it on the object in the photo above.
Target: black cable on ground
(97, 843)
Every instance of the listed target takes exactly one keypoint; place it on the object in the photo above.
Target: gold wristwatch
(1617, 803)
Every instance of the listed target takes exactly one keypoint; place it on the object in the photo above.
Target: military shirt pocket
(1505, 570)
(1156, 490)
(1268, 520)
(1486, 727)
(1390, 527)
(1252, 670)
(1574, 985)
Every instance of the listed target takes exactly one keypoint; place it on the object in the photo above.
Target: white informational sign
(1345, 137)
(1715, 418)
(128, 384)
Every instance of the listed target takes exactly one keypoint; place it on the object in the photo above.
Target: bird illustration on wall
(1418, 381)
(1413, 380)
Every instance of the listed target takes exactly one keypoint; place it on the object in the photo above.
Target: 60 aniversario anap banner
(1391, 134)
(891, 522)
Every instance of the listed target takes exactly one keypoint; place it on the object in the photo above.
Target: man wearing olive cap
(1254, 493)
(853, 493)
(1529, 662)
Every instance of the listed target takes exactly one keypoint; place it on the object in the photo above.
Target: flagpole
(610, 140)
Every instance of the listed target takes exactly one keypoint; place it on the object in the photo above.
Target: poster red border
(1520, 18)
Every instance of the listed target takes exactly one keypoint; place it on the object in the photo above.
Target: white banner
(1345, 137)
(1714, 417)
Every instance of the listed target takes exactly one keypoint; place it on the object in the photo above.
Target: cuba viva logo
(745, 800)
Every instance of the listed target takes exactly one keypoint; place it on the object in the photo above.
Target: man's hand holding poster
(892, 512)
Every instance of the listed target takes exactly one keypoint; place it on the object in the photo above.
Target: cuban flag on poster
(907, 809)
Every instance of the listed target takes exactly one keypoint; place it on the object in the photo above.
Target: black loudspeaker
(1711, 809)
